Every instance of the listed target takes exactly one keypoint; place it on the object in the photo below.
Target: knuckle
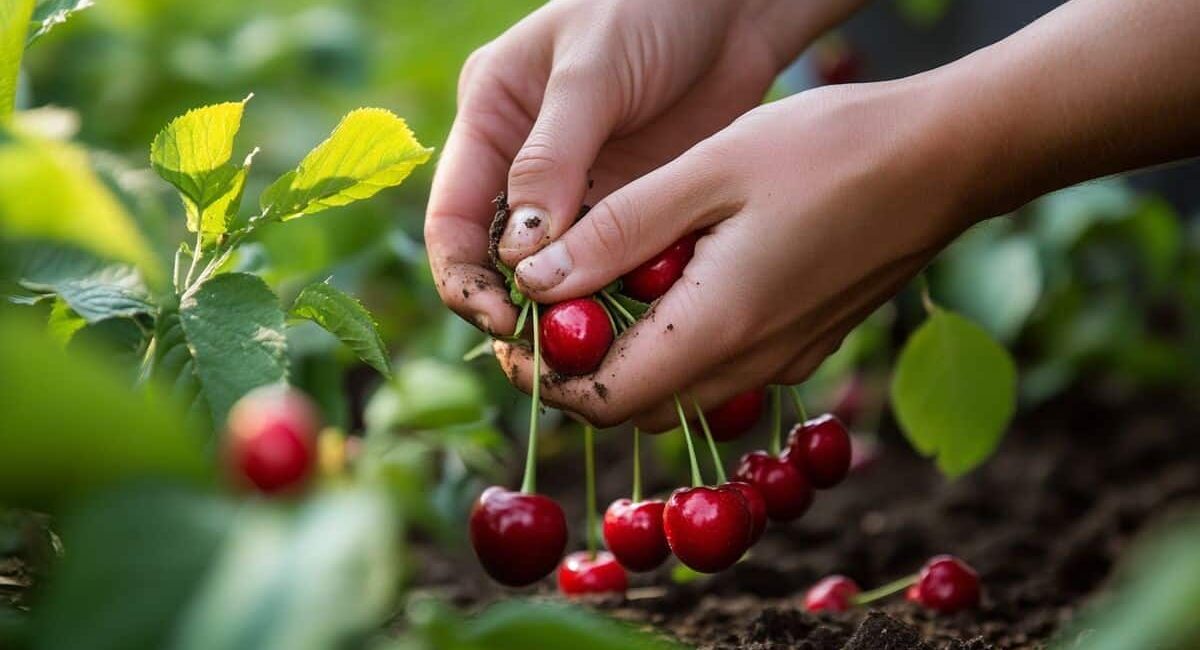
(611, 228)
(537, 160)
(471, 67)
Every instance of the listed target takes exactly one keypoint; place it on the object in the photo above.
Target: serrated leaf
(63, 322)
(194, 153)
(14, 21)
(234, 328)
(371, 149)
(345, 318)
(52, 13)
(954, 391)
(94, 289)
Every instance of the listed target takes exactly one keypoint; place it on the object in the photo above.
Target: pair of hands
(814, 209)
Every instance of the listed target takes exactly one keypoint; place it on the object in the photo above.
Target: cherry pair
(945, 584)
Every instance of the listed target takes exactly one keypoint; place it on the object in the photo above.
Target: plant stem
(529, 484)
(800, 410)
(776, 420)
(147, 362)
(629, 318)
(697, 480)
(196, 255)
(926, 299)
(712, 444)
(884, 591)
(589, 444)
(637, 465)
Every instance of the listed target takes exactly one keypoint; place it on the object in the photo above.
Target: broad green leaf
(345, 318)
(993, 278)
(64, 322)
(70, 425)
(427, 394)
(175, 369)
(312, 580)
(194, 153)
(52, 13)
(74, 208)
(234, 327)
(94, 289)
(152, 546)
(954, 391)
(371, 149)
(14, 21)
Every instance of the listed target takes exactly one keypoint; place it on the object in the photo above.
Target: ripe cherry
(575, 336)
(736, 415)
(517, 537)
(707, 528)
(271, 439)
(831, 594)
(820, 447)
(655, 276)
(783, 486)
(583, 573)
(946, 584)
(634, 533)
(756, 505)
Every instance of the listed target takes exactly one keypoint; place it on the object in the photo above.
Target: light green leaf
(52, 13)
(954, 391)
(345, 318)
(993, 278)
(234, 327)
(427, 394)
(14, 20)
(371, 149)
(194, 153)
(64, 322)
(94, 289)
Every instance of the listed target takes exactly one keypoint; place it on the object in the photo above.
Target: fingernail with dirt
(525, 230)
(546, 269)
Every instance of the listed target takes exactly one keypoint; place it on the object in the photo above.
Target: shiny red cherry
(756, 505)
(655, 276)
(271, 439)
(946, 584)
(737, 415)
(821, 449)
(831, 594)
(783, 486)
(707, 528)
(583, 573)
(517, 537)
(575, 336)
(634, 533)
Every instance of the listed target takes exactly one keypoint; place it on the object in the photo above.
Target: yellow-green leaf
(14, 22)
(194, 153)
(371, 149)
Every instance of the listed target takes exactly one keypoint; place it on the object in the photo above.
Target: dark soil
(1043, 522)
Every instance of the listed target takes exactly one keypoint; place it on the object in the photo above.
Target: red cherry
(946, 584)
(634, 533)
(821, 448)
(707, 527)
(736, 415)
(655, 276)
(271, 438)
(583, 573)
(783, 486)
(756, 505)
(518, 537)
(575, 336)
(831, 594)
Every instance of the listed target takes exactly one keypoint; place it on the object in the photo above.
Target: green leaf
(174, 368)
(94, 289)
(234, 327)
(310, 581)
(52, 13)
(954, 391)
(636, 308)
(14, 20)
(70, 425)
(993, 278)
(371, 149)
(194, 153)
(64, 322)
(427, 394)
(345, 318)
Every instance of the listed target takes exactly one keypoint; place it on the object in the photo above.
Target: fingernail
(525, 229)
(484, 323)
(546, 269)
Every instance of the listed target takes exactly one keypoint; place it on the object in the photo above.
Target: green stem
(926, 299)
(712, 444)
(196, 255)
(529, 484)
(589, 443)
(629, 318)
(637, 465)
(776, 420)
(800, 410)
(147, 362)
(884, 591)
(697, 480)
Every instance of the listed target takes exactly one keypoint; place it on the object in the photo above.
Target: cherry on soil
(271, 439)
(517, 537)
(583, 572)
(833, 593)
(946, 584)
(654, 277)
(576, 334)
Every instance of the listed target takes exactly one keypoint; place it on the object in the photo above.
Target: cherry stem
(697, 480)
(616, 304)
(712, 444)
(589, 444)
(637, 465)
(926, 299)
(529, 484)
(776, 420)
(884, 591)
(796, 399)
